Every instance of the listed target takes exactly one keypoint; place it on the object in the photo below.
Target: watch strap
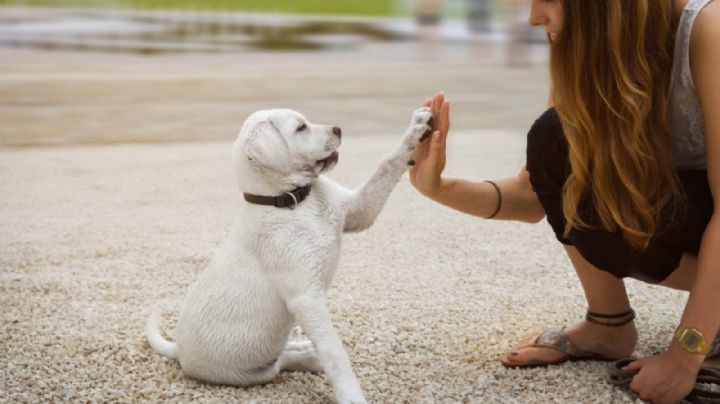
(701, 347)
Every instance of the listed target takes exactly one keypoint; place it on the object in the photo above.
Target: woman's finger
(445, 114)
(634, 365)
(443, 122)
(433, 105)
(437, 150)
(437, 102)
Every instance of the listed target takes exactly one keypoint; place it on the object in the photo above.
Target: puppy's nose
(337, 131)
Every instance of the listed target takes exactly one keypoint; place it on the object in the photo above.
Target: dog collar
(288, 200)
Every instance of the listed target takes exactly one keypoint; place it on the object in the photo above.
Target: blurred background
(116, 71)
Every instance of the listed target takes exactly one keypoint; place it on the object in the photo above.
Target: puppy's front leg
(367, 201)
(311, 312)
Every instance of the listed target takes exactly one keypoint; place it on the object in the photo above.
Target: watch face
(692, 340)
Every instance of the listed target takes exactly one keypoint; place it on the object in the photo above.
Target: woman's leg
(682, 278)
(547, 163)
(606, 295)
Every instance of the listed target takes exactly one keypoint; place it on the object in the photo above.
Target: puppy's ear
(267, 147)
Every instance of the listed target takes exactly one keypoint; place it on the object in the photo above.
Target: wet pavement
(72, 95)
(156, 32)
(173, 31)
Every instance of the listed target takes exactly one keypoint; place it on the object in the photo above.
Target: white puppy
(276, 264)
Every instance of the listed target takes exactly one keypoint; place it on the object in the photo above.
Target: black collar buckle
(288, 200)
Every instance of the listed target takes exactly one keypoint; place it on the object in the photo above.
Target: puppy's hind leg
(300, 356)
(297, 356)
(251, 377)
(299, 346)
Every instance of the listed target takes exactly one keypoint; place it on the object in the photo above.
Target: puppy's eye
(302, 127)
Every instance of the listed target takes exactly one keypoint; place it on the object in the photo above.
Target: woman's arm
(519, 202)
(701, 311)
(670, 376)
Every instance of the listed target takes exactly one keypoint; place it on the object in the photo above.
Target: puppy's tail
(156, 341)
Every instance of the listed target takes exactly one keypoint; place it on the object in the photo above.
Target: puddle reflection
(176, 32)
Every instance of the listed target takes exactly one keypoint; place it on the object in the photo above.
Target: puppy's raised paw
(422, 115)
(420, 127)
(428, 133)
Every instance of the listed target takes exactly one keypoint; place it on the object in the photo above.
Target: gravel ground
(425, 301)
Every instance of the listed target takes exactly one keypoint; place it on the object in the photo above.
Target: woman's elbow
(533, 216)
(536, 217)
(530, 209)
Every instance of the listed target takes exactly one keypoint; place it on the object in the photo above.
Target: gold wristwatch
(692, 340)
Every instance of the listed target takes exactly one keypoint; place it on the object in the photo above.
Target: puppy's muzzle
(330, 160)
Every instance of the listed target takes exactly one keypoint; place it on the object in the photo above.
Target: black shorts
(549, 167)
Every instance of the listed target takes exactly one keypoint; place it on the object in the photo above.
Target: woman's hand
(665, 378)
(429, 157)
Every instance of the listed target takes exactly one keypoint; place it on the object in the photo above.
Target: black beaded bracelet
(499, 203)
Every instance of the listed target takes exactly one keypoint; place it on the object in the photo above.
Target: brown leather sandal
(555, 338)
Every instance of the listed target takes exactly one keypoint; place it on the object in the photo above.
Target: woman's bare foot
(609, 342)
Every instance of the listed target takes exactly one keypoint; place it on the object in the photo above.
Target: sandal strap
(628, 317)
(555, 338)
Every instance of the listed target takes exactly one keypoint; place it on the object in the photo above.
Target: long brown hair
(610, 68)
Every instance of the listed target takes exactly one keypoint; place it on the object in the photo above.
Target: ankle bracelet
(607, 319)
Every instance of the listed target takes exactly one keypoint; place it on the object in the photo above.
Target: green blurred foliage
(348, 7)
